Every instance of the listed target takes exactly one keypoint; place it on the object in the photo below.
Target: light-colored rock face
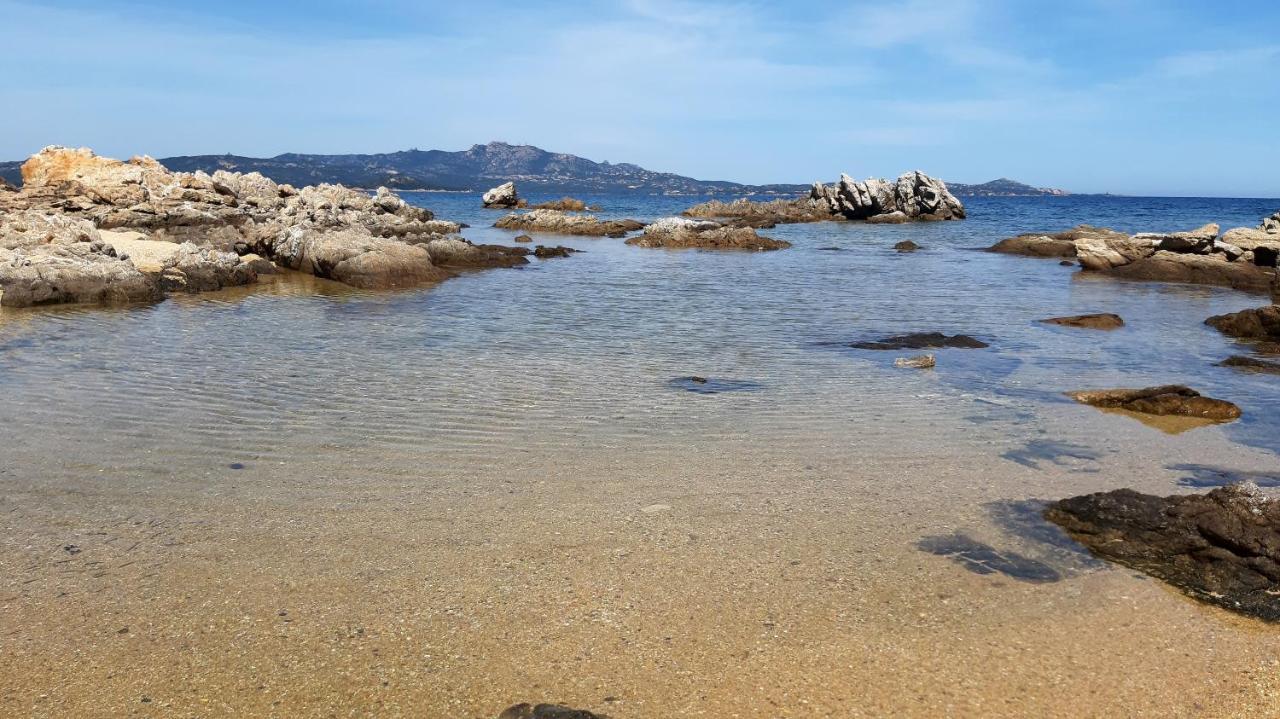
(1250, 238)
(29, 228)
(681, 232)
(914, 194)
(565, 223)
(80, 272)
(355, 257)
(503, 195)
(1104, 252)
(1271, 224)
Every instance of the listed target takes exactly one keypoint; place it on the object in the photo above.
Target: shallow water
(504, 488)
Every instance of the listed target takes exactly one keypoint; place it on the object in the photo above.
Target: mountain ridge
(482, 166)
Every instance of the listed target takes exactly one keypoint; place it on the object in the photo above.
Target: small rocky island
(85, 228)
(913, 197)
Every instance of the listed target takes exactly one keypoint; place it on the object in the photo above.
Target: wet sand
(719, 580)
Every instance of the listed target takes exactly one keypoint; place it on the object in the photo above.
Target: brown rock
(920, 341)
(1222, 547)
(356, 258)
(564, 204)
(679, 233)
(1058, 244)
(546, 711)
(559, 222)
(1102, 321)
(1262, 323)
(1165, 400)
(906, 246)
(1251, 364)
(523, 238)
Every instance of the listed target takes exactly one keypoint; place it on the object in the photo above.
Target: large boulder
(1262, 323)
(1222, 547)
(1101, 252)
(681, 232)
(86, 272)
(503, 196)
(355, 257)
(559, 222)
(1213, 269)
(1198, 241)
(1167, 400)
(1056, 244)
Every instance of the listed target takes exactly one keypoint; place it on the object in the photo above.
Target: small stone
(917, 362)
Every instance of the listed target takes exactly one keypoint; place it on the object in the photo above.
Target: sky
(1141, 97)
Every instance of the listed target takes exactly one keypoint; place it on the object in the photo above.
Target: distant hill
(1003, 187)
(484, 166)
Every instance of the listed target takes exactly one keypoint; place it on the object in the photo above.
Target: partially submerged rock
(914, 196)
(455, 252)
(680, 232)
(1100, 321)
(906, 246)
(920, 341)
(523, 238)
(1251, 364)
(564, 204)
(543, 252)
(502, 197)
(1198, 269)
(355, 258)
(1261, 323)
(917, 362)
(559, 222)
(1222, 547)
(1167, 400)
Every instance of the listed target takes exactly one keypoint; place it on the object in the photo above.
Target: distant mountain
(1003, 187)
(484, 166)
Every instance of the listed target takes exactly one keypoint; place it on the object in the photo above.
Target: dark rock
(457, 253)
(1262, 323)
(921, 341)
(557, 251)
(1166, 400)
(523, 238)
(546, 711)
(906, 246)
(1067, 263)
(712, 385)
(1222, 547)
(1101, 321)
(1251, 364)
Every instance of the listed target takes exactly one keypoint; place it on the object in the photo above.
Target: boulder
(1271, 224)
(564, 204)
(681, 232)
(1167, 400)
(1101, 321)
(1198, 241)
(1262, 323)
(1247, 238)
(1222, 547)
(549, 252)
(455, 252)
(355, 257)
(1251, 364)
(502, 196)
(556, 221)
(920, 341)
(523, 238)
(1215, 270)
(906, 246)
(897, 217)
(86, 272)
(1106, 251)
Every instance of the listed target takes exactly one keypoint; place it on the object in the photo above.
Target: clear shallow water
(498, 482)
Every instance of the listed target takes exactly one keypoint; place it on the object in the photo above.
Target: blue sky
(1127, 96)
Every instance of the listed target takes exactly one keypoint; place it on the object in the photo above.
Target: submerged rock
(1101, 321)
(559, 222)
(712, 385)
(1165, 400)
(917, 362)
(920, 341)
(680, 232)
(1222, 547)
(906, 246)
(557, 251)
(455, 252)
(1251, 364)
(503, 196)
(523, 238)
(564, 204)
(546, 711)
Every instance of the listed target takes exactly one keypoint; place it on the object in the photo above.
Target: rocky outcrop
(1222, 547)
(1058, 244)
(680, 232)
(920, 341)
(1101, 321)
(455, 252)
(1251, 364)
(1199, 270)
(1168, 400)
(323, 229)
(564, 204)
(558, 222)
(502, 197)
(913, 197)
(1262, 323)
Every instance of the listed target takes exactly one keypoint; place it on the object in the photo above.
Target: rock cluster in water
(1167, 400)
(681, 232)
(85, 228)
(1222, 547)
(1242, 258)
(915, 196)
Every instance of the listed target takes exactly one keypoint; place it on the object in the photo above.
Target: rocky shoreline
(85, 228)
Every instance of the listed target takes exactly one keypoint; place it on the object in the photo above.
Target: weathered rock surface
(920, 341)
(1101, 321)
(1166, 400)
(1058, 244)
(1198, 269)
(1199, 241)
(558, 222)
(1261, 323)
(914, 196)
(1222, 547)
(1272, 224)
(456, 252)
(546, 711)
(86, 272)
(321, 229)
(681, 232)
(557, 251)
(906, 246)
(503, 196)
(1251, 364)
